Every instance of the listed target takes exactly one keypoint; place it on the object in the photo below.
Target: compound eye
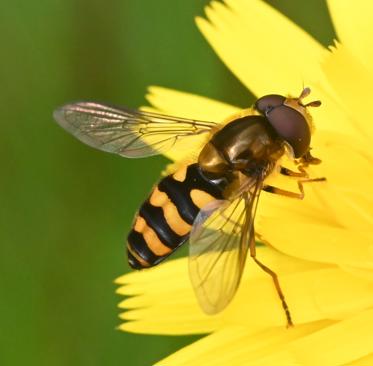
(265, 104)
(292, 127)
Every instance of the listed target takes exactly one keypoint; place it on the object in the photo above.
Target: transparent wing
(218, 246)
(126, 132)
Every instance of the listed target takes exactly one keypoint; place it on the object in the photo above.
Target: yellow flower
(324, 255)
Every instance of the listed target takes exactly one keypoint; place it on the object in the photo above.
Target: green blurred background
(65, 208)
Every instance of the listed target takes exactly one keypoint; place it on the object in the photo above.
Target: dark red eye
(265, 104)
(292, 127)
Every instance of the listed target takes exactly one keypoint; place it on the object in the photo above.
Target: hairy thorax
(247, 145)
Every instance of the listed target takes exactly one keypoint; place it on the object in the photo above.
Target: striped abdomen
(165, 219)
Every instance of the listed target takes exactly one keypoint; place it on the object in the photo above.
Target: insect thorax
(248, 145)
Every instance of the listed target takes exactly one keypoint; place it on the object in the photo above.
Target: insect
(210, 203)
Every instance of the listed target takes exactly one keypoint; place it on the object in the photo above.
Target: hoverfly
(210, 203)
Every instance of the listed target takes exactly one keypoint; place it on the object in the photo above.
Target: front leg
(291, 173)
(298, 195)
(306, 160)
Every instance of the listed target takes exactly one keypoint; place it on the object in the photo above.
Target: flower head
(324, 246)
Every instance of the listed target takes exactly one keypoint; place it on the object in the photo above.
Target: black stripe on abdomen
(154, 217)
(178, 192)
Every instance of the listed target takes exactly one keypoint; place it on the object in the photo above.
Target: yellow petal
(365, 273)
(325, 244)
(364, 361)
(354, 210)
(165, 301)
(320, 343)
(331, 115)
(265, 58)
(346, 195)
(170, 326)
(344, 160)
(158, 274)
(181, 104)
(353, 83)
(240, 35)
(337, 344)
(345, 200)
(312, 295)
(237, 346)
(353, 23)
(313, 292)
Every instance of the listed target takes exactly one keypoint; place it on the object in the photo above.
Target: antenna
(305, 93)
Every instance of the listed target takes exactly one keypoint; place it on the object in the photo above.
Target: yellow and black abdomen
(165, 219)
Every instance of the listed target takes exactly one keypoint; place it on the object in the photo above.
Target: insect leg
(283, 192)
(307, 159)
(290, 173)
(275, 281)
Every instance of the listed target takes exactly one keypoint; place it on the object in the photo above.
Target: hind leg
(275, 281)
